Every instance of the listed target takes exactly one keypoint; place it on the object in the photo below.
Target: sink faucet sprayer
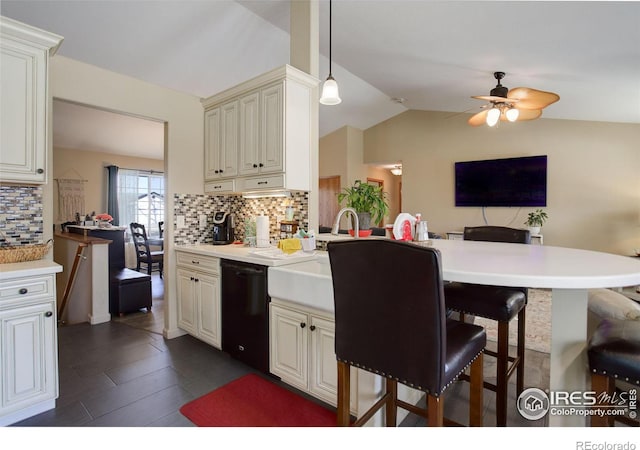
(354, 216)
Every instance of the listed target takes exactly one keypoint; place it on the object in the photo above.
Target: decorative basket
(22, 253)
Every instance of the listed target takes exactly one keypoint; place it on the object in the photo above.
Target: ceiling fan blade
(525, 114)
(529, 98)
(478, 119)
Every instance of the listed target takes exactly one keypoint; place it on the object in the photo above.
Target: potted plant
(535, 220)
(368, 200)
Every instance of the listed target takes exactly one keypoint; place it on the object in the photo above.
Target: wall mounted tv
(502, 182)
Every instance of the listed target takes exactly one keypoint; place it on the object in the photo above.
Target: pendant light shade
(330, 94)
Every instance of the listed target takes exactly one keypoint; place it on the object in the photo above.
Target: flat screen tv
(502, 182)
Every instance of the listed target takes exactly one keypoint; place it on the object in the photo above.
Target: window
(141, 199)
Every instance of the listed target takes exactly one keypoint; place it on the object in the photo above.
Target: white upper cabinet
(25, 101)
(273, 133)
(221, 142)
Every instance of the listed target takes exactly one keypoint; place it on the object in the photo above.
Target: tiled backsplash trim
(20, 215)
(191, 206)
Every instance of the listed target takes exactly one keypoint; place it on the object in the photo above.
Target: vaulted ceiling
(433, 54)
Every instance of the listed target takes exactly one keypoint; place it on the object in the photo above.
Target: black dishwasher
(245, 313)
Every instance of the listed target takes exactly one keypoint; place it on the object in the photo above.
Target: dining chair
(399, 330)
(501, 304)
(144, 256)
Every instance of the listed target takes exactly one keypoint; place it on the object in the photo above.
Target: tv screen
(502, 182)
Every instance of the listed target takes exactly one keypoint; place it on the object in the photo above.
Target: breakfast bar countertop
(268, 256)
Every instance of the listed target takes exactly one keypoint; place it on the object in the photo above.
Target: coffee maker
(223, 224)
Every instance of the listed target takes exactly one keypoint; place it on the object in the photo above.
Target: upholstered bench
(609, 304)
(130, 291)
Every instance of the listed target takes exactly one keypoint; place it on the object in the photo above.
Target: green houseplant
(368, 200)
(535, 220)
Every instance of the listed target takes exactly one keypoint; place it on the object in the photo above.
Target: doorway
(329, 188)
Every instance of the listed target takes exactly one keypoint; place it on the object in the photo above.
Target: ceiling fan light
(493, 116)
(512, 114)
(330, 94)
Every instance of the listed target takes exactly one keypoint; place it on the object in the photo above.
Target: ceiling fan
(510, 105)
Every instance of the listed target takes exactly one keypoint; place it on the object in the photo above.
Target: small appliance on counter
(223, 225)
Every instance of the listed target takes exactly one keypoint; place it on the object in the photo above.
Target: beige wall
(90, 166)
(342, 153)
(593, 197)
(184, 139)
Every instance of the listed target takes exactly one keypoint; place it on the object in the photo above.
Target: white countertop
(493, 263)
(270, 256)
(28, 269)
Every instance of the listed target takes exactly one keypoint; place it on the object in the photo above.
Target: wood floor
(120, 375)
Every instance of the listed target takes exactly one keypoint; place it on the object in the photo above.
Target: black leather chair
(390, 320)
(614, 354)
(501, 304)
(144, 256)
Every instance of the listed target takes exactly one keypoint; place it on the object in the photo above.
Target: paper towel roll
(262, 231)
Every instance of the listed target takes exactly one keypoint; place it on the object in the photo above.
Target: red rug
(252, 401)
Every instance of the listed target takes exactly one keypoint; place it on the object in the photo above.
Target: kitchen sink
(307, 283)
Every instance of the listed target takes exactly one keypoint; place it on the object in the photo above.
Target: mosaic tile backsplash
(20, 215)
(192, 206)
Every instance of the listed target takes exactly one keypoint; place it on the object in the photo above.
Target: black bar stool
(390, 319)
(501, 304)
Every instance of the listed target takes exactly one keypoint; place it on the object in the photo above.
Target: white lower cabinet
(28, 347)
(198, 292)
(302, 351)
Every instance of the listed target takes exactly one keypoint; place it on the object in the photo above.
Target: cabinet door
(249, 134)
(209, 327)
(28, 367)
(23, 112)
(212, 144)
(229, 140)
(289, 345)
(323, 368)
(187, 307)
(271, 145)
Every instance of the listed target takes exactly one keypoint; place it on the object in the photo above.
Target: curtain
(112, 194)
(70, 199)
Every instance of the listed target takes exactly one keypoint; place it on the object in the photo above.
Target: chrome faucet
(354, 216)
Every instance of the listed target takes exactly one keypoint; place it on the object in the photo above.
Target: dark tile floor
(119, 374)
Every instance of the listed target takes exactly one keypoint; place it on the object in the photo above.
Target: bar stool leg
(435, 408)
(476, 392)
(599, 384)
(521, 336)
(391, 410)
(344, 391)
(502, 380)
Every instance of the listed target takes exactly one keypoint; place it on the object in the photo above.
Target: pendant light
(330, 94)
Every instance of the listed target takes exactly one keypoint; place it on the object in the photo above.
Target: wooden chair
(501, 304)
(144, 256)
(399, 330)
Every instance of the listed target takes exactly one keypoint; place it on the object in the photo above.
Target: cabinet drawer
(220, 186)
(257, 183)
(209, 264)
(27, 288)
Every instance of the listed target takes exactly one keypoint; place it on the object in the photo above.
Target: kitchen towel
(262, 231)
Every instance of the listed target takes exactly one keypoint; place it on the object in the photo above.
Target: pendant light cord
(329, 37)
